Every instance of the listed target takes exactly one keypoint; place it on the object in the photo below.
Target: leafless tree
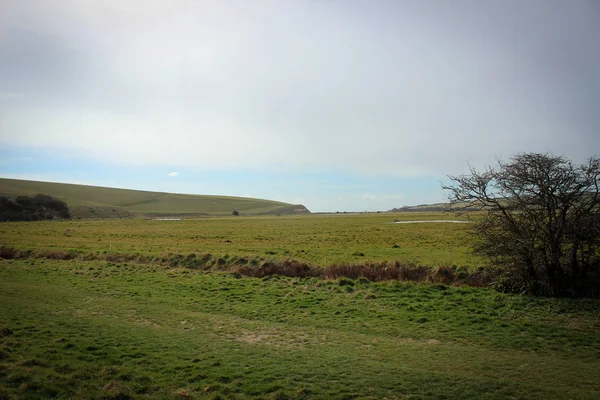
(540, 222)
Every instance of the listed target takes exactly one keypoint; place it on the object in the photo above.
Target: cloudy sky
(336, 104)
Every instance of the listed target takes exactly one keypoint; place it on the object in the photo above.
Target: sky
(340, 105)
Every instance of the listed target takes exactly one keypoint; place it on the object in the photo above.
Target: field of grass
(98, 330)
(101, 202)
(95, 327)
(315, 239)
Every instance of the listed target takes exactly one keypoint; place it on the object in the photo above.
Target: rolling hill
(436, 207)
(102, 202)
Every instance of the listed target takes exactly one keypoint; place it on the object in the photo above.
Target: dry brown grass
(248, 267)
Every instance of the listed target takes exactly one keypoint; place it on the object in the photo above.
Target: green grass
(94, 201)
(316, 239)
(72, 329)
(107, 330)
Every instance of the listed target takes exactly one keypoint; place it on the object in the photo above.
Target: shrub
(540, 222)
(443, 274)
(39, 207)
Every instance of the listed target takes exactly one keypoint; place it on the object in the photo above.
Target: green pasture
(316, 239)
(98, 330)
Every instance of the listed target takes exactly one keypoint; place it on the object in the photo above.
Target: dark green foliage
(346, 282)
(36, 208)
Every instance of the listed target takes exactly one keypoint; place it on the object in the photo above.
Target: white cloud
(173, 174)
(400, 88)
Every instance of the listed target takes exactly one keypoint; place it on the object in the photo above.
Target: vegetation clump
(541, 223)
(36, 208)
(259, 268)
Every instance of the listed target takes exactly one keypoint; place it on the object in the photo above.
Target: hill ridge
(88, 201)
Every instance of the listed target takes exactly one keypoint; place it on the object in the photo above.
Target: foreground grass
(72, 329)
(316, 239)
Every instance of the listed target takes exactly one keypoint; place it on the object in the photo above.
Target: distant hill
(437, 207)
(101, 202)
(423, 207)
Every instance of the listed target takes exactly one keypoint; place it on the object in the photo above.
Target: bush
(540, 223)
(36, 208)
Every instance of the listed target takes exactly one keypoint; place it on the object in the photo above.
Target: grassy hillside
(436, 207)
(101, 202)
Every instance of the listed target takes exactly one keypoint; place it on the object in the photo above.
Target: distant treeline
(36, 208)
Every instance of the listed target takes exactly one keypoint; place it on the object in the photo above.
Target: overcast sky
(336, 104)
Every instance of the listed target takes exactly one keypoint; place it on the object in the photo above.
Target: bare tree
(540, 222)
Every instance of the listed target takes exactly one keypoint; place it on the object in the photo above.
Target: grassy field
(103, 329)
(98, 330)
(316, 239)
(101, 202)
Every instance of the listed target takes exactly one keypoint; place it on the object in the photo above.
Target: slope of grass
(98, 330)
(87, 198)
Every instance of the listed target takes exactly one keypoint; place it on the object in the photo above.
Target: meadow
(101, 329)
(315, 239)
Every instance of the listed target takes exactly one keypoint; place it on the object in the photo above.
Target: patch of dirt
(579, 322)
(248, 337)
(410, 340)
(274, 338)
(115, 388)
(147, 322)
